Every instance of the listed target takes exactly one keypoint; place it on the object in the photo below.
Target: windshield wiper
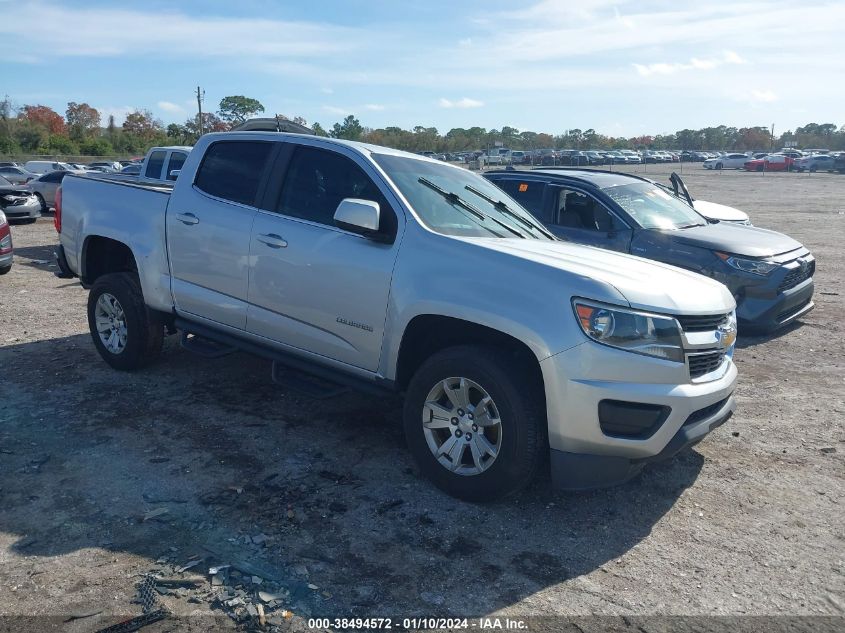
(504, 208)
(460, 202)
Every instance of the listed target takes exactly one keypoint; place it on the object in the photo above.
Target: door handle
(187, 218)
(272, 240)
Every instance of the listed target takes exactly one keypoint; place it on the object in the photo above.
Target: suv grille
(700, 364)
(796, 276)
(705, 323)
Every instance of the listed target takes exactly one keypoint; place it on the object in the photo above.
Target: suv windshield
(455, 201)
(653, 208)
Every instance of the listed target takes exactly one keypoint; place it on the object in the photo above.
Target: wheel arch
(427, 334)
(102, 255)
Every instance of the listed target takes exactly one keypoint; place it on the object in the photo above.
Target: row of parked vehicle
(481, 298)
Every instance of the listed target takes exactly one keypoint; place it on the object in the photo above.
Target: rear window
(177, 159)
(527, 193)
(232, 170)
(154, 165)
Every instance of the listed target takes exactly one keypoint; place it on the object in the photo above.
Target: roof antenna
(278, 124)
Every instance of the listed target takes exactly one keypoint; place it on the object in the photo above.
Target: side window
(527, 193)
(154, 165)
(232, 170)
(54, 176)
(317, 180)
(177, 159)
(578, 210)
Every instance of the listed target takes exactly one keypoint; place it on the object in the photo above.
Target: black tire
(813, 169)
(520, 403)
(760, 167)
(41, 201)
(718, 165)
(5, 269)
(144, 329)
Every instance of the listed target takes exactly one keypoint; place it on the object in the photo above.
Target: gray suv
(769, 274)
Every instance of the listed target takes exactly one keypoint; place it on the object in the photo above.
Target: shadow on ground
(86, 452)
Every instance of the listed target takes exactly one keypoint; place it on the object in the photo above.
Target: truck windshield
(444, 198)
(653, 208)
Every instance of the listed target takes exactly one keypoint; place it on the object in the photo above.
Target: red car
(772, 162)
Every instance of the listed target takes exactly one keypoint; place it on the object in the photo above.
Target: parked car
(44, 166)
(518, 157)
(132, 169)
(769, 274)
(772, 162)
(16, 175)
(712, 211)
(839, 163)
(162, 164)
(109, 166)
(9, 163)
(816, 162)
(7, 250)
(383, 270)
(728, 161)
(17, 203)
(44, 187)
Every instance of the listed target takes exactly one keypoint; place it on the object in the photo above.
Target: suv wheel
(42, 202)
(475, 427)
(126, 334)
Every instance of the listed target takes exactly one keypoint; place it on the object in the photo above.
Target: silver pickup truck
(390, 272)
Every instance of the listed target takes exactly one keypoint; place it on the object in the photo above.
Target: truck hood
(721, 212)
(644, 283)
(736, 239)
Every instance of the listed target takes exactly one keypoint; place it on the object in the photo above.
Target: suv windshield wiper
(504, 208)
(460, 202)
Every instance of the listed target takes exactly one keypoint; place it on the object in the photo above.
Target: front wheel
(475, 425)
(5, 269)
(125, 332)
(718, 165)
(42, 202)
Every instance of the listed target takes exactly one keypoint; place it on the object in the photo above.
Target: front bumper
(577, 380)
(763, 304)
(7, 259)
(31, 209)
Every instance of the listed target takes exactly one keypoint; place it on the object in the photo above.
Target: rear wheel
(759, 167)
(42, 202)
(718, 165)
(813, 169)
(475, 425)
(125, 332)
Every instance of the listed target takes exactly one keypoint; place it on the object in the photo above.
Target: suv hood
(735, 239)
(721, 212)
(645, 284)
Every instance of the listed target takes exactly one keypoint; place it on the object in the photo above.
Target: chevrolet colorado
(391, 272)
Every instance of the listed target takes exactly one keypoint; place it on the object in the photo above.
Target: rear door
(314, 286)
(209, 224)
(581, 217)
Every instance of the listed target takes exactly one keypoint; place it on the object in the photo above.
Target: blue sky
(620, 67)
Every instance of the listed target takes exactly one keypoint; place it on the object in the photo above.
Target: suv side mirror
(358, 216)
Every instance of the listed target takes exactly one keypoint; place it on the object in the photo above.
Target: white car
(728, 161)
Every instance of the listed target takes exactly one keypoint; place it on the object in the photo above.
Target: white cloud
(171, 108)
(763, 96)
(466, 102)
(119, 113)
(335, 110)
(666, 68)
(326, 91)
(375, 107)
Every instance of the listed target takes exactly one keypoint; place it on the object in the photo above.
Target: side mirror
(358, 216)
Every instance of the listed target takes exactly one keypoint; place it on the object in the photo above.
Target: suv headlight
(630, 330)
(753, 266)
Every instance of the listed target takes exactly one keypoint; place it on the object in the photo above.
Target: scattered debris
(187, 566)
(154, 513)
(827, 449)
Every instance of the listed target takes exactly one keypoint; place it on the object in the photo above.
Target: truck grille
(701, 323)
(701, 364)
(797, 276)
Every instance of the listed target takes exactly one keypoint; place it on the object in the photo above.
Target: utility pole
(772, 141)
(200, 97)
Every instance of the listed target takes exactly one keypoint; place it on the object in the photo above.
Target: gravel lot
(107, 476)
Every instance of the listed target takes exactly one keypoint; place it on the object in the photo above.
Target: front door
(314, 286)
(581, 218)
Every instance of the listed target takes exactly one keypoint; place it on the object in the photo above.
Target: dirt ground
(108, 476)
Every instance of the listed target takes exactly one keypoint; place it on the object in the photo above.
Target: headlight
(629, 330)
(753, 266)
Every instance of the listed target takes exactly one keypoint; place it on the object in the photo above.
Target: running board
(307, 384)
(204, 347)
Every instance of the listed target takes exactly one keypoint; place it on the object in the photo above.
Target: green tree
(142, 124)
(349, 129)
(319, 130)
(96, 147)
(237, 109)
(82, 120)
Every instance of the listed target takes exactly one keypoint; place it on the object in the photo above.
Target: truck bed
(132, 213)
